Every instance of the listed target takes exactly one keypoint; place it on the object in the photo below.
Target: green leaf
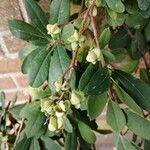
(25, 31)
(96, 105)
(96, 82)
(138, 125)
(104, 38)
(29, 109)
(116, 5)
(16, 110)
(38, 72)
(146, 14)
(147, 32)
(60, 62)
(50, 144)
(37, 16)
(34, 145)
(59, 11)
(146, 144)
(68, 125)
(115, 117)
(71, 140)
(24, 144)
(2, 99)
(124, 144)
(144, 75)
(143, 4)
(119, 40)
(126, 99)
(134, 20)
(136, 88)
(84, 145)
(27, 62)
(24, 52)
(67, 31)
(34, 124)
(138, 45)
(86, 132)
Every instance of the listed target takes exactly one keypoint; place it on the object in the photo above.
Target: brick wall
(11, 79)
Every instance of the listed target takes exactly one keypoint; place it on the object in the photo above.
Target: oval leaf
(86, 132)
(115, 117)
(38, 72)
(96, 105)
(138, 125)
(59, 11)
(136, 88)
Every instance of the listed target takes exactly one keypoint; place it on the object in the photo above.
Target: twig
(19, 131)
(96, 36)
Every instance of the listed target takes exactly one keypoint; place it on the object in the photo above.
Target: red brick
(6, 83)
(22, 81)
(9, 65)
(21, 96)
(8, 9)
(13, 44)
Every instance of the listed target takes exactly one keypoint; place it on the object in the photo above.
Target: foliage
(77, 65)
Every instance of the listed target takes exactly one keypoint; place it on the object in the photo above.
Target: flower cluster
(76, 40)
(56, 111)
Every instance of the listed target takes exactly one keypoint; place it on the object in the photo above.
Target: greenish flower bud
(74, 46)
(76, 98)
(98, 3)
(112, 14)
(60, 123)
(53, 30)
(58, 84)
(93, 55)
(58, 111)
(74, 37)
(52, 126)
(94, 13)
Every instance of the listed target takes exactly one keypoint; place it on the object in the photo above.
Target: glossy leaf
(96, 105)
(147, 32)
(50, 144)
(34, 124)
(126, 99)
(115, 117)
(25, 31)
(96, 82)
(60, 62)
(124, 144)
(68, 125)
(27, 62)
(136, 88)
(86, 132)
(59, 11)
(138, 125)
(116, 5)
(143, 4)
(71, 141)
(34, 145)
(38, 72)
(119, 40)
(104, 38)
(29, 109)
(37, 15)
(146, 144)
(16, 110)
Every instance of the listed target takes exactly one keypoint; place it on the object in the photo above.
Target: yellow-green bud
(60, 123)
(93, 55)
(58, 111)
(94, 13)
(76, 98)
(53, 29)
(74, 37)
(52, 126)
(58, 84)
(74, 46)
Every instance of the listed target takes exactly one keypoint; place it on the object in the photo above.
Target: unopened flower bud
(53, 29)
(58, 84)
(60, 123)
(76, 98)
(74, 37)
(94, 13)
(93, 55)
(58, 111)
(52, 126)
